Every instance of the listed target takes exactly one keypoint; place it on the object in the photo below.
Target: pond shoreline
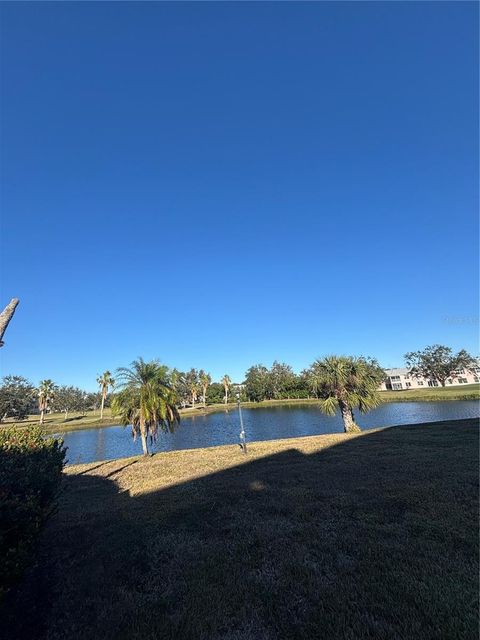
(324, 439)
(433, 394)
(271, 424)
(268, 404)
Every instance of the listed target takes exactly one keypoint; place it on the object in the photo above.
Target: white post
(243, 442)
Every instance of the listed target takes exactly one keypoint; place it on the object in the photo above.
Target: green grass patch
(338, 537)
(432, 394)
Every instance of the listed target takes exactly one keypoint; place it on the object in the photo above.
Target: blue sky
(221, 184)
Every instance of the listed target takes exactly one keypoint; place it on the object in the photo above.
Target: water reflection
(260, 424)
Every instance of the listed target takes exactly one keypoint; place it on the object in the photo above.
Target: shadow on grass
(375, 537)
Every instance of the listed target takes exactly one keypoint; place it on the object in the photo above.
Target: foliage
(215, 393)
(346, 382)
(192, 383)
(282, 380)
(30, 474)
(438, 362)
(226, 387)
(147, 400)
(277, 383)
(16, 397)
(46, 393)
(105, 381)
(257, 383)
(93, 400)
(205, 380)
(68, 398)
(179, 383)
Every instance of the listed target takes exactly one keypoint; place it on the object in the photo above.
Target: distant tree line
(19, 398)
(195, 387)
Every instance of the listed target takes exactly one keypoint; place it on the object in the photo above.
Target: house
(398, 379)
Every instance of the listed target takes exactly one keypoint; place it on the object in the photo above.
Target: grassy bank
(432, 394)
(56, 423)
(339, 537)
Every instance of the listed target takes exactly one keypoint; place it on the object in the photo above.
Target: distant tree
(215, 393)
(205, 380)
(63, 400)
(193, 385)
(303, 387)
(105, 381)
(282, 380)
(6, 316)
(94, 399)
(226, 386)
(16, 397)
(438, 363)
(257, 383)
(146, 400)
(46, 392)
(346, 383)
(67, 399)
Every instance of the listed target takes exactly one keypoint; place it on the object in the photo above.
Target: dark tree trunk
(6, 316)
(349, 425)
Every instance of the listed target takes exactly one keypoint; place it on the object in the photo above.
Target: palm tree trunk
(226, 395)
(6, 316)
(349, 425)
(101, 407)
(42, 413)
(143, 436)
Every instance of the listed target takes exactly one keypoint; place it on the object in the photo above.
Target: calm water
(260, 424)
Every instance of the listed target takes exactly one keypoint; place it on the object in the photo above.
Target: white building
(398, 379)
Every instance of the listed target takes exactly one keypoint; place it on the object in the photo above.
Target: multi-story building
(400, 378)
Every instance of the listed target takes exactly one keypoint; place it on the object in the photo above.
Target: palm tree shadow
(286, 546)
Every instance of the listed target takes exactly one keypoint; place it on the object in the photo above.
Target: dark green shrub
(30, 474)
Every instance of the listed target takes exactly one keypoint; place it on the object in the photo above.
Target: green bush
(30, 474)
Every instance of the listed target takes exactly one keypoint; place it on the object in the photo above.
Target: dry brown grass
(338, 537)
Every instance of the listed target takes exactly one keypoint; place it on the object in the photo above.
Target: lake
(90, 445)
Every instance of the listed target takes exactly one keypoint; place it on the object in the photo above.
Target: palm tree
(226, 385)
(146, 400)
(346, 383)
(6, 316)
(192, 384)
(205, 380)
(105, 381)
(46, 391)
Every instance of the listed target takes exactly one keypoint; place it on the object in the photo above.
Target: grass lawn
(459, 392)
(56, 423)
(335, 537)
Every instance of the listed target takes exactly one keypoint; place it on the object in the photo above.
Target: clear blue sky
(221, 184)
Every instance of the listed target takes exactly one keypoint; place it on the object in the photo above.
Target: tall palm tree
(192, 383)
(104, 381)
(205, 380)
(46, 392)
(346, 383)
(146, 400)
(226, 385)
